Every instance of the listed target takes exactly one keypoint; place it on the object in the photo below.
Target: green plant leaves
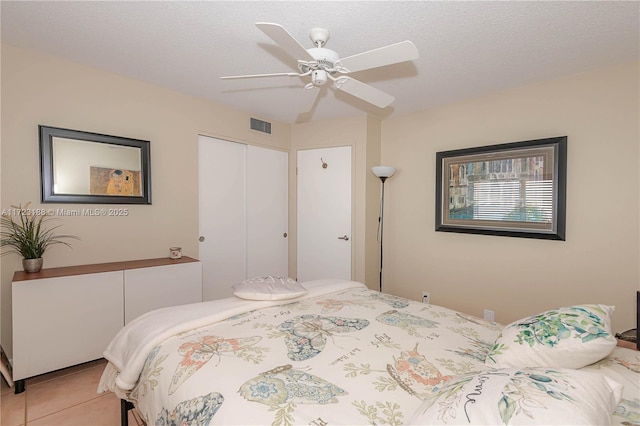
(29, 235)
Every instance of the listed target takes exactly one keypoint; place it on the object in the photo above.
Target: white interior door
(222, 215)
(267, 212)
(324, 213)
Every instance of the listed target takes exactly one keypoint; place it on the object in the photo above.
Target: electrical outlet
(426, 297)
(489, 315)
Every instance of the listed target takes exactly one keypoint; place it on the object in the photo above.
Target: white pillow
(530, 396)
(269, 288)
(569, 337)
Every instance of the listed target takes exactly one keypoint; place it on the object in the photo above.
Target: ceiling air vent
(260, 126)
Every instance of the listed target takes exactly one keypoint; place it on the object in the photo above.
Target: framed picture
(514, 189)
(91, 168)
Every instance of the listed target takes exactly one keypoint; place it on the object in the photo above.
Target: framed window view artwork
(514, 189)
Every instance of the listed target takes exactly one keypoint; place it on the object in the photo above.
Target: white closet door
(243, 214)
(267, 212)
(222, 216)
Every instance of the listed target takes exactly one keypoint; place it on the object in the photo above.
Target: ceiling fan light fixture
(319, 77)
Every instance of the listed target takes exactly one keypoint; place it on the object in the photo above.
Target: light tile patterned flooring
(64, 397)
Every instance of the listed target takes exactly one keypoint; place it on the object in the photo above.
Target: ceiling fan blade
(277, 74)
(285, 40)
(309, 98)
(364, 91)
(387, 55)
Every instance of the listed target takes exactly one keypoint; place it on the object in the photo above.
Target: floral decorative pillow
(569, 337)
(269, 288)
(529, 396)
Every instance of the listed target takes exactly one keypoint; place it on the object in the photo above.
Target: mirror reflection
(82, 167)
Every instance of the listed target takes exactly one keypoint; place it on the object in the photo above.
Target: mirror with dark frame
(92, 168)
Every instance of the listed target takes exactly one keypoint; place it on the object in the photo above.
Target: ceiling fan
(322, 64)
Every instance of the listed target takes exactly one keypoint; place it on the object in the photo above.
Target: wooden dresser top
(98, 267)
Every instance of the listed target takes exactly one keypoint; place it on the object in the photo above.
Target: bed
(339, 353)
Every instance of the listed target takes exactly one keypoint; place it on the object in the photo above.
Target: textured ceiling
(467, 49)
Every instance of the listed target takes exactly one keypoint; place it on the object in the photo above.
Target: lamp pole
(383, 172)
(381, 221)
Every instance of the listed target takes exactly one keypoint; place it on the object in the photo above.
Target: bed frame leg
(19, 384)
(125, 406)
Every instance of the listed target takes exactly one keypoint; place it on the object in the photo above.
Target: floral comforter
(354, 356)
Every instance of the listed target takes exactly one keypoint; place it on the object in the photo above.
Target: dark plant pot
(32, 265)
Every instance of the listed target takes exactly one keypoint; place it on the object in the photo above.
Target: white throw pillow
(568, 337)
(528, 396)
(269, 288)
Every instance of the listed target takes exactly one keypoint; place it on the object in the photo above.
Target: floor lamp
(384, 173)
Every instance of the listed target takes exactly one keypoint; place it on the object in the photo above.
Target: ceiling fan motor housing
(325, 59)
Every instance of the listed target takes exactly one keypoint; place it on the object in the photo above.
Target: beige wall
(598, 262)
(39, 89)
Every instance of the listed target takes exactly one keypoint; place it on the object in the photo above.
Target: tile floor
(64, 397)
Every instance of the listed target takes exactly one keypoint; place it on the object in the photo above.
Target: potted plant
(29, 235)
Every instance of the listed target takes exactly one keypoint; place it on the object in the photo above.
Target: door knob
(344, 238)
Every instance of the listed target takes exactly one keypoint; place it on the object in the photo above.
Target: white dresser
(67, 316)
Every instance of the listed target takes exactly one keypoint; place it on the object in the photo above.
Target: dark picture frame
(107, 169)
(516, 189)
